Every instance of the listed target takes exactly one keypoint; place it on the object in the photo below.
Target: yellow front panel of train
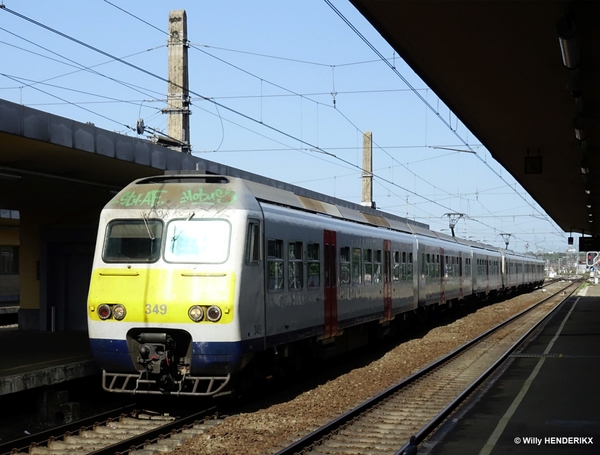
(162, 295)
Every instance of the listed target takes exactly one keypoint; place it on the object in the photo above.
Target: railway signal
(591, 258)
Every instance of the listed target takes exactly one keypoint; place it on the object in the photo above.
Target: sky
(284, 89)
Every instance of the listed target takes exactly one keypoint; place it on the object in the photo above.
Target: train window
(295, 251)
(200, 241)
(345, 265)
(377, 267)
(409, 267)
(133, 241)
(275, 263)
(396, 269)
(295, 266)
(368, 265)
(356, 268)
(253, 242)
(345, 254)
(314, 265)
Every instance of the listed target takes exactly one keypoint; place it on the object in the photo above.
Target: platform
(31, 359)
(544, 400)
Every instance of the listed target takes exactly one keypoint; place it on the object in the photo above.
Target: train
(201, 282)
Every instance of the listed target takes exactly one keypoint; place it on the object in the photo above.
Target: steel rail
(125, 446)
(149, 437)
(322, 432)
(457, 402)
(57, 432)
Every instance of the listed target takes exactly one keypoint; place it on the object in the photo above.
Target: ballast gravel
(268, 430)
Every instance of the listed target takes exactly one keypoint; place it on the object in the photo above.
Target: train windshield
(199, 241)
(133, 241)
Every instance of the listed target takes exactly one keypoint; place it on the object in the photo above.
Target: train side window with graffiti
(295, 266)
(197, 241)
(368, 265)
(314, 265)
(377, 267)
(275, 264)
(132, 241)
(356, 266)
(345, 265)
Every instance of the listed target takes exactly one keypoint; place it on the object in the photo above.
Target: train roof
(276, 192)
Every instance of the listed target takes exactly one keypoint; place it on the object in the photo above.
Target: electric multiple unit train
(200, 279)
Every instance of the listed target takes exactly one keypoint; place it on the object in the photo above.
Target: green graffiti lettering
(152, 197)
(128, 199)
(131, 198)
(217, 196)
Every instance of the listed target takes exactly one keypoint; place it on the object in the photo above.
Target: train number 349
(156, 309)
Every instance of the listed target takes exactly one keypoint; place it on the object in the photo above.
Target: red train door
(387, 280)
(329, 242)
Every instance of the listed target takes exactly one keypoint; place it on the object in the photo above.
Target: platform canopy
(498, 66)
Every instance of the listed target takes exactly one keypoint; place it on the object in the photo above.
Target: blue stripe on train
(207, 357)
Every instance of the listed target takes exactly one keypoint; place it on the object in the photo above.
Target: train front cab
(164, 313)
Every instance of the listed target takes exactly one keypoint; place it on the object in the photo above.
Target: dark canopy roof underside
(498, 67)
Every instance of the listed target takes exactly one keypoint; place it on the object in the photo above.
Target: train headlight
(119, 312)
(213, 313)
(104, 311)
(196, 313)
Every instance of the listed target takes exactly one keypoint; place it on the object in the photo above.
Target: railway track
(147, 433)
(405, 414)
(118, 432)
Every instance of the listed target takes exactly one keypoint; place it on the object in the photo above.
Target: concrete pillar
(367, 175)
(178, 98)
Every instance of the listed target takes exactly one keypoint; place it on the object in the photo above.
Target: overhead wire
(31, 83)
(341, 113)
(262, 80)
(76, 64)
(62, 99)
(149, 73)
(279, 131)
(328, 65)
(430, 107)
(423, 100)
